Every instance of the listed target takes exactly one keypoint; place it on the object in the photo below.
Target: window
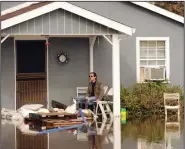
(152, 56)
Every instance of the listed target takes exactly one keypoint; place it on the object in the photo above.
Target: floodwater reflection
(148, 134)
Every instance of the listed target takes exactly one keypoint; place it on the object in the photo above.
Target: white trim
(137, 60)
(12, 9)
(116, 74)
(71, 8)
(92, 41)
(48, 141)
(15, 129)
(47, 73)
(5, 38)
(107, 39)
(15, 74)
(160, 11)
(30, 38)
(15, 62)
(167, 54)
(59, 35)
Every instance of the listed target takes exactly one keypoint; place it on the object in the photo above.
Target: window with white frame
(152, 58)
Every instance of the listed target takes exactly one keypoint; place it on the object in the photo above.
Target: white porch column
(116, 74)
(91, 55)
(116, 91)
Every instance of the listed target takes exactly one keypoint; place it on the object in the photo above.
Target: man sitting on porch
(95, 91)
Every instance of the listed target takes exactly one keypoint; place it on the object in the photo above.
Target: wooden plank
(56, 114)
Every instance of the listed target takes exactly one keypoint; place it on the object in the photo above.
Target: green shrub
(145, 99)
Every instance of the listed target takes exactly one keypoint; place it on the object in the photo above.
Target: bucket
(123, 115)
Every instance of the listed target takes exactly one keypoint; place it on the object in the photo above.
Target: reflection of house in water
(24, 141)
(13, 138)
(171, 138)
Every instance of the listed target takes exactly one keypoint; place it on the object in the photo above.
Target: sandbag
(58, 110)
(43, 110)
(33, 107)
(71, 108)
(25, 112)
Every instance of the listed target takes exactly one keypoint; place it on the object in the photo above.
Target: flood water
(147, 134)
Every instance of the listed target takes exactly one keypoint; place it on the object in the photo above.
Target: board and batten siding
(58, 22)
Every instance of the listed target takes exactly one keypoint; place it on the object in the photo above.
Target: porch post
(91, 56)
(116, 74)
(116, 90)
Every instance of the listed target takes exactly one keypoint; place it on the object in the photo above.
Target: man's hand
(87, 98)
(97, 100)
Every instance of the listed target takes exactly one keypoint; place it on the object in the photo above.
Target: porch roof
(21, 17)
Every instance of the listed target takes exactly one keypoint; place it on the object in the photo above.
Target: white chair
(104, 105)
(171, 97)
(81, 91)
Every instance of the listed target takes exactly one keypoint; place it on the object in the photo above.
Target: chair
(81, 91)
(171, 97)
(104, 105)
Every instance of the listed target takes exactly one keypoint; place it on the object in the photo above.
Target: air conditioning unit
(154, 73)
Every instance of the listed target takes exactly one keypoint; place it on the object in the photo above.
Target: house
(135, 42)
(122, 41)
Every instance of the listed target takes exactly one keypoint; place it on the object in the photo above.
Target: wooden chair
(172, 97)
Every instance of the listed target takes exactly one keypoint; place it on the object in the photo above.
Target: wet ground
(147, 134)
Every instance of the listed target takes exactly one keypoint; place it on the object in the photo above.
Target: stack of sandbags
(32, 108)
(23, 112)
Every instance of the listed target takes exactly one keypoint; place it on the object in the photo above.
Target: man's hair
(94, 73)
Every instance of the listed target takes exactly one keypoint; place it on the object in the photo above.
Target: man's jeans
(88, 100)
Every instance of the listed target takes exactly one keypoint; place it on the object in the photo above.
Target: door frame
(16, 38)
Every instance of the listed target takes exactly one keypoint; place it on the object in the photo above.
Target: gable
(58, 22)
(67, 7)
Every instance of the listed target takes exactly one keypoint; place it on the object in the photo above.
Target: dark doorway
(31, 86)
(30, 56)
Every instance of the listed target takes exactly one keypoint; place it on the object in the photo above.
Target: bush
(146, 99)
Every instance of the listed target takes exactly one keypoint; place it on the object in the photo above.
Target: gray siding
(8, 140)
(147, 24)
(7, 74)
(64, 80)
(7, 5)
(56, 23)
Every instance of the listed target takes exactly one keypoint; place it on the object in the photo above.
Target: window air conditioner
(154, 73)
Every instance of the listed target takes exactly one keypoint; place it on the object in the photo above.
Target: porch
(66, 28)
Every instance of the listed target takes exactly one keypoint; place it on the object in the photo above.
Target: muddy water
(148, 134)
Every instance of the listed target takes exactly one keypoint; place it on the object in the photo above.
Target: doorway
(31, 80)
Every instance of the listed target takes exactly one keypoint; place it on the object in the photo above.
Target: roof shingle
(23, 10)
